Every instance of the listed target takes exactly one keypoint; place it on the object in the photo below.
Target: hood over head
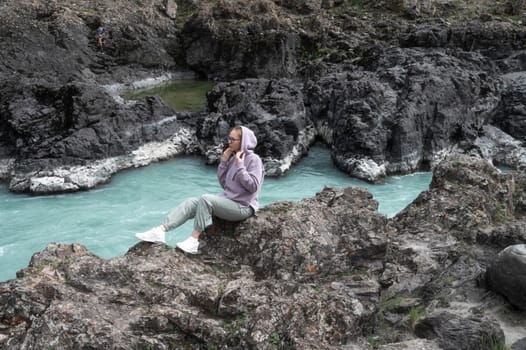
(248, 140)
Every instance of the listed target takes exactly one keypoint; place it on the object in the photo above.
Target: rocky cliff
(391, 88)
(328, 272)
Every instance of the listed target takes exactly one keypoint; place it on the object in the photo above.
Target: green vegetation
(153, 283)
(493, 344)
(233, 326)
(358, 272)
(374, 342)
(357, 4)
(39, 266)
(520, 190)
(274, 339)
(221, 290)
(415, 314)
(501, 212)
(390, 303)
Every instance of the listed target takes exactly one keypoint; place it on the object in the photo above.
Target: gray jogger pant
(202, 208)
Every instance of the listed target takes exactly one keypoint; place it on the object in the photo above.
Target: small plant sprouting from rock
(274, 339)
(374, 342)
(492, 343)
(233, 326)
(415, 314)
(153, 283)
(221, 290)
(501, 212)
(390, 303)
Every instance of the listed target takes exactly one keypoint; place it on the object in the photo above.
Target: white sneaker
(155, 234)
(189, 245)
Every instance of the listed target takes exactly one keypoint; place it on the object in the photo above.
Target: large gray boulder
(507, 274)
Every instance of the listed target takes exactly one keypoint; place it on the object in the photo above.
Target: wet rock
(69, 127)
(60, 178)
(506, 275)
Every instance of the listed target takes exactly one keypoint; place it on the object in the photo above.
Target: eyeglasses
(231, 139)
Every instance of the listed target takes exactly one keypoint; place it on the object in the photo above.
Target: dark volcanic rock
(54, 114)
(236, 39)
(57, 40)
(409, 109)
(46, 127)
(273, 109)
(506, 275)
(511, 113)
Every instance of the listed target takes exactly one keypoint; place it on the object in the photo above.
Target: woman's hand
(226, 154)
(240, 157)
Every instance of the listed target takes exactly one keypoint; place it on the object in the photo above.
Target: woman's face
(234, 140)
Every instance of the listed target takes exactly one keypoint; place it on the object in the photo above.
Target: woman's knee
(189, 204)
(208, 199)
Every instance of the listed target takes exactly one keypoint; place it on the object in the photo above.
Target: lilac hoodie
(242, 181)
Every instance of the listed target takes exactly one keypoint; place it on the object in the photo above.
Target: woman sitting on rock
(240, 173)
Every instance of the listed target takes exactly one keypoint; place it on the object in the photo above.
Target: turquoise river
(106, 218)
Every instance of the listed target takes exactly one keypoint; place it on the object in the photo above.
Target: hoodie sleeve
(221, 173)
(251, 174)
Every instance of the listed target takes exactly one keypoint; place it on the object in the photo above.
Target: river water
(106, 218)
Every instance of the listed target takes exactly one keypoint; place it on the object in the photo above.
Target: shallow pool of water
(105, 219)
(182, 95)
